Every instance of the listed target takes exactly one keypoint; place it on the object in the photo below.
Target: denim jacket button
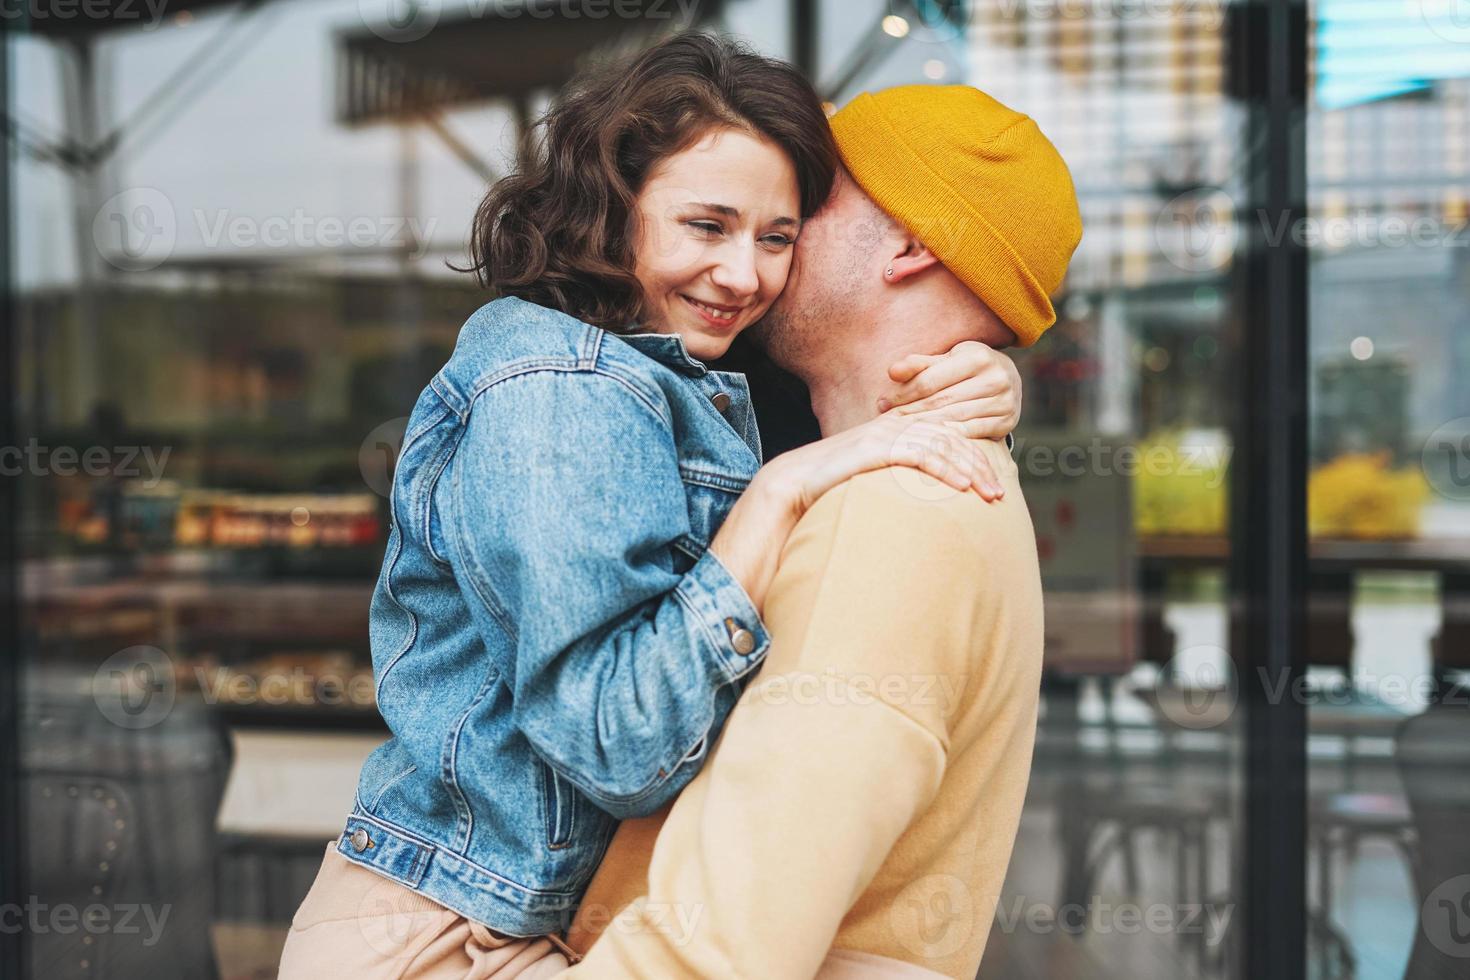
(721, 400)
(742, 639)
(359, 840)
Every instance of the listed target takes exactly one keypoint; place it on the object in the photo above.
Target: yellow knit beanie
(977, 183)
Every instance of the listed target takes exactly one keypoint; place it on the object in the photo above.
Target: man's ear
(913, 259)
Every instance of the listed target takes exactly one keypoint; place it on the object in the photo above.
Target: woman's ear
(913, 259)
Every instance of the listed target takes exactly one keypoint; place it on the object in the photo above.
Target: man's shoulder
(894, 574)
(905, 505)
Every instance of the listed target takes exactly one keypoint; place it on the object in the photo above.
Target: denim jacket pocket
(558, 806)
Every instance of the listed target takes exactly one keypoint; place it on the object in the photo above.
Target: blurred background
(227, 230)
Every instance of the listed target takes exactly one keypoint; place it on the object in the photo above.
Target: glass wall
(1126, 864)
(1389, 741)
(230, 233)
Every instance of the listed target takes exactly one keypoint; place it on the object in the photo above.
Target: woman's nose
(736, 273)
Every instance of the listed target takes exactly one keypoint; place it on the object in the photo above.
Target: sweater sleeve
(830, 755)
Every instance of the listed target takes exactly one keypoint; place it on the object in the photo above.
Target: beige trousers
(356, 923)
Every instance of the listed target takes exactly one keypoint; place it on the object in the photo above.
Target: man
(858, 813)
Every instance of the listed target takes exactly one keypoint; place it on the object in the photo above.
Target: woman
(582, 534)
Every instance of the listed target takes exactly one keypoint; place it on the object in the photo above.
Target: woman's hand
(939, 448)
(974, 386)
(750, 542)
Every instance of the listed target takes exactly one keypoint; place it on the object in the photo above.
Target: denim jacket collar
(668, 349)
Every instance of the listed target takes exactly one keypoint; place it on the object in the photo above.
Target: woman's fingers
(905, 368)
(969, 370)
(944, 452)
(989, 417)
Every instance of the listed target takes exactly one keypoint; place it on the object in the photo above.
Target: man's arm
(830, 754)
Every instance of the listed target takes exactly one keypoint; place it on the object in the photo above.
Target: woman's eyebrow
(727, 211)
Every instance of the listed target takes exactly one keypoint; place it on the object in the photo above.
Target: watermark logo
(403, 21)
(377, 457)
(1445, 459)
(1448, 19)
(135, 688)
(1196, 231)
(136, 229)
(930, 21)
(934, 916)
(1445, 917)
(1197, 688)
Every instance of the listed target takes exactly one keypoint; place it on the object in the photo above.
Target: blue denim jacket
(554, 648)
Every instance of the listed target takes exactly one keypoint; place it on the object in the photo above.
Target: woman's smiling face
(715, 230)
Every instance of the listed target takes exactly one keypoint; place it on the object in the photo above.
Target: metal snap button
(742, 639)
(360, 840)
(721, 400)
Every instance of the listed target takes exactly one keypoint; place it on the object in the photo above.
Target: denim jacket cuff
(729, 617)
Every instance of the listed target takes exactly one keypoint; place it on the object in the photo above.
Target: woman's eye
(778, 241)
(707, 227)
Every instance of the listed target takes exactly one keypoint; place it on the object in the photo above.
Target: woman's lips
(721, 317)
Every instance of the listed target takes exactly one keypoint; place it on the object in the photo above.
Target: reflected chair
(120, 828)
(1432, 751)
(1337, 824)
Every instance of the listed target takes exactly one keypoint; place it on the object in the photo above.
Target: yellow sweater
(866, 791)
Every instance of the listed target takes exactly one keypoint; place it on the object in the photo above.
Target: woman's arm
(563, 506)
(753, 535)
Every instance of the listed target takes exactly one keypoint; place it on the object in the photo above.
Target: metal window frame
(11, 814)
(1268, 539)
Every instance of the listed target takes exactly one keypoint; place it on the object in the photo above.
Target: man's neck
(847, 380)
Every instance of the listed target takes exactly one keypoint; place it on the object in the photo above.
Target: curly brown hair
(559, 232)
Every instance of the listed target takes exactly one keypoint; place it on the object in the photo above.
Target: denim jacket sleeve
(565, 502)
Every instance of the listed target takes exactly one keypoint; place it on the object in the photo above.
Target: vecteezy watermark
(35, 459)
(122, 919)
(377, 457)
(675, 921)
(1445, 917)
(1205, 919)
(1365, 229)
(297, 687)
(135, 688)
(1198, 689)
(302, 230)
(936, 915)
(1098, 457)
(832, 687)
(1210, 13)
(410, 20)
(138, 229)
(144, 14)
(1198, 231)
(1445, 459)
